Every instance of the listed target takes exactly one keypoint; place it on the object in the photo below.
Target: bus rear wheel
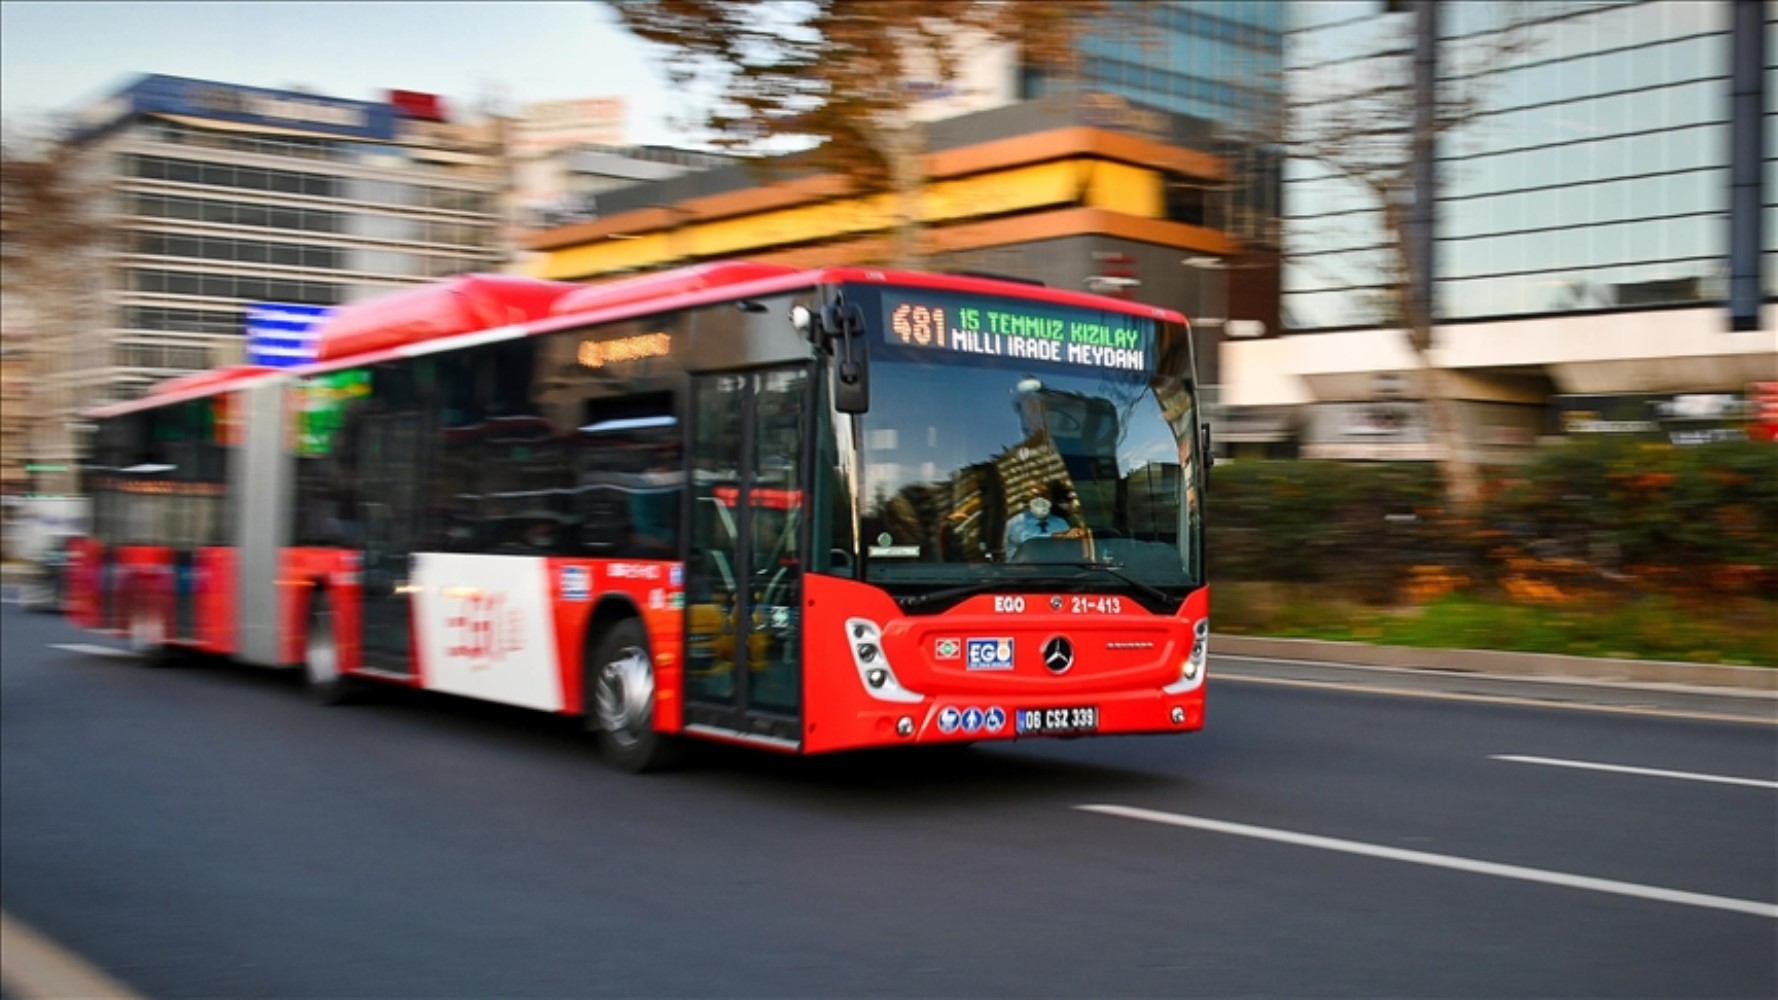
(620, 700)
(321, 656)
(148, 637)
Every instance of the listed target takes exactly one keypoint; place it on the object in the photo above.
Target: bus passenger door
(388, 515)
(743, 577)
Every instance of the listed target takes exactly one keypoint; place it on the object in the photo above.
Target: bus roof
(471, 306)
(213, 379)
(464, 304)
(196, 385)
(703, 284)
(680, 281)
(980, 285)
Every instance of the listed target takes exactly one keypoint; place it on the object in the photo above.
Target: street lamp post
(1205, 266)
(1204, 341)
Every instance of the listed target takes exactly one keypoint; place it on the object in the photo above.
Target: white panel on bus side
(487, 628)
(261, 481)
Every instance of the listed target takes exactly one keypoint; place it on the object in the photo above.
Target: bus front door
(743, 576)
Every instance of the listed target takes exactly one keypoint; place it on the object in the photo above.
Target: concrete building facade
(220, 196)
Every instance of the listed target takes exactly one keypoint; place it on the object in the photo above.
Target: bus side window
(630, 481)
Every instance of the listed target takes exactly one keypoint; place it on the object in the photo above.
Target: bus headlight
(1191, 672)
(865, 640)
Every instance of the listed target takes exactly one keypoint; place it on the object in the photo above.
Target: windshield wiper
(949, 593)
(1147, 590)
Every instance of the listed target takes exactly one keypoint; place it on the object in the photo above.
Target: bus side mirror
(851, 387)
(1204, 448)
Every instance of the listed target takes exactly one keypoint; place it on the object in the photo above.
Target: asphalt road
(207, 831)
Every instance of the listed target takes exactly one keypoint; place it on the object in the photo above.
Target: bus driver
(1038, 520)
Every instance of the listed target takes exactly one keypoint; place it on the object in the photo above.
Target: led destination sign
(1024, 331)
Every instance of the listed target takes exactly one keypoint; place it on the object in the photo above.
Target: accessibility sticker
(948, 717)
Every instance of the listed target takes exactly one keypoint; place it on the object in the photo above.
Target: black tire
(620, 700)
(147, 637)
(321, 659)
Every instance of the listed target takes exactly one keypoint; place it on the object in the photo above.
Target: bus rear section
(161, 561)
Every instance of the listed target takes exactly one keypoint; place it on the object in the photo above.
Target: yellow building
(1082, 192)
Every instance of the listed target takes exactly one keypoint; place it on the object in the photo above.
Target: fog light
(1178, 715)
(1191, 672)
(875, 672)
(905, 726)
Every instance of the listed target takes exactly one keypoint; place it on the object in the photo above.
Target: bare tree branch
(832, 77)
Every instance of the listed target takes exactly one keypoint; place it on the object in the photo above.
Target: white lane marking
(1624, 769)
(1753, 907)
(32, 967)
(92, 650)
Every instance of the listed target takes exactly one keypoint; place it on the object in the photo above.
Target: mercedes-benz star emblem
(1058, 654)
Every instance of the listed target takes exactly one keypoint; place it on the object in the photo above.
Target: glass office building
(1604, 224)
(1221, 62)
(1595, 174)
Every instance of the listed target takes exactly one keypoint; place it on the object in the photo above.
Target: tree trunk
(1457, 468)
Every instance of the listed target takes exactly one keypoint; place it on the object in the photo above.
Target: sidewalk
(1686, 690)
(1662, 673)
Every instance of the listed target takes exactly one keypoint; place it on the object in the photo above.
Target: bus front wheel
(620, 700)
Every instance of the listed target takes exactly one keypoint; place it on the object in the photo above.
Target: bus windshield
(1027, 445)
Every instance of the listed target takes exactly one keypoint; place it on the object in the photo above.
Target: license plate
(1053, 721)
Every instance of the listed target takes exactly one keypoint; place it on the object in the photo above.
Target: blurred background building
(1182, 100)
(1079, 190)
(14, 422)
(1590, 267)
(1586, 255)
(218, 197)
(561, 186)
(1221, 62)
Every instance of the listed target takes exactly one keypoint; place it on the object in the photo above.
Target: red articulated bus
(807, 510)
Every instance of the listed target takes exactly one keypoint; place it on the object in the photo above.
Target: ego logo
(990, 654)
(483, 628)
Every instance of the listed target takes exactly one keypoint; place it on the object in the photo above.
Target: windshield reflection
(985, 472)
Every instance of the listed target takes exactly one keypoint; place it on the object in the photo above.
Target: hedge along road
(208, 830)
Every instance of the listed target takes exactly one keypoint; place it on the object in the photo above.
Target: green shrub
(1581, 519)
(1649, 517)
(1359, 527)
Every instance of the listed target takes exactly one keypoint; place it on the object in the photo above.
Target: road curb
(1500, 664)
